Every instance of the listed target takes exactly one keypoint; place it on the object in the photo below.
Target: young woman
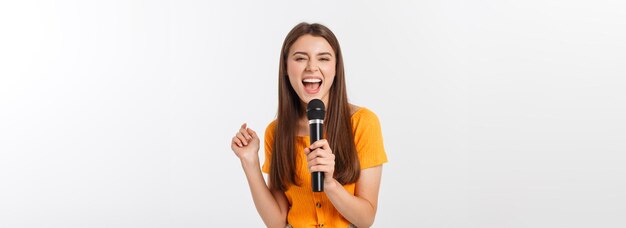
(350, 155)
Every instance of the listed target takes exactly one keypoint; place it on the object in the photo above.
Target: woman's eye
(324, 59)
(298, 59)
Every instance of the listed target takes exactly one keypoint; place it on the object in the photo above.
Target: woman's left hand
(320, 158)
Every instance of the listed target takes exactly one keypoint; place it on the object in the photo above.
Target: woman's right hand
(245, 144)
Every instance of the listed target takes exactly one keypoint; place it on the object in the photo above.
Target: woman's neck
(303, 126)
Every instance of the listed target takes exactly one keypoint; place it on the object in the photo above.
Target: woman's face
(311, 68)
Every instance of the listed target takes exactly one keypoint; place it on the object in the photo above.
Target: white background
(494, 113)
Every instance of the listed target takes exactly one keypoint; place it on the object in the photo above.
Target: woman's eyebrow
(304, 53)
(325, 53)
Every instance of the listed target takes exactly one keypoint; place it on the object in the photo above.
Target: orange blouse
(314, 209)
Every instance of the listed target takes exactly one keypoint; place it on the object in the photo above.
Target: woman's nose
(311, 67)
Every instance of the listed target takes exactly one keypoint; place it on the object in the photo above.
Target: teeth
(312, 80)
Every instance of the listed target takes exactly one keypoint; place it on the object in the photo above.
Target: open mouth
(312, 85)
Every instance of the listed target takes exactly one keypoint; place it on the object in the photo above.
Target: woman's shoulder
(354, 109)
(269, 130)
(361, 112)
(368, 138)
(363, 120)
(272, 124)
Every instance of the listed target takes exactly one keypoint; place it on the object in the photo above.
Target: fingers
(236, 141)
(244, 131)
(322, 168)
(243, 136)
(322, 164)
(318, 149)
(322, 143)
(318, 153)
(251, 133)
(320, 157)
(320, 160)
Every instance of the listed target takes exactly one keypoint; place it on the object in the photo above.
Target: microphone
(315, 113)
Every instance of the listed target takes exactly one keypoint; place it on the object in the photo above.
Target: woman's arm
(272, 206)
(359, 209)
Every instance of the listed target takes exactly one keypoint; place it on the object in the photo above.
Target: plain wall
(494, 113)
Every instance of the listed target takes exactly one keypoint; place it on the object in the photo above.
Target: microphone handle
(317, 178)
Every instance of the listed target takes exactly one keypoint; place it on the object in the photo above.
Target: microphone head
(315, 110)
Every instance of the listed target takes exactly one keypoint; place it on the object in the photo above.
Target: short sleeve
(368, 139)
(269, 144)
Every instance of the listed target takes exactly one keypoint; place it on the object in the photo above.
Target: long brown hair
(338, 126)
